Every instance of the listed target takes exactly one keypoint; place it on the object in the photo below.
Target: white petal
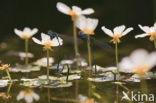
(63, 8)
(34, 31)
(36, 41)
(141, 36)
(45, 38)
(27, 31)
(151, 60)
(119, 29)
(155, 25)
(35, 96)
(56, 43)
(77, 10)
(29, 98)
(92, 23)
(18, 32)
(152, 29)
(107, 31)
(127, 31)
(139, 56)
(88, 11)
(146, 29)
(20, 96)
(81, 22)
(126, 65)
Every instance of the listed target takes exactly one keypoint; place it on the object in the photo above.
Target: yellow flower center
(72, 13)
(89, 100)
(25, 36)
(152, 36)
(89, 32)
(141, 70)
(47, 46)
(116, 38)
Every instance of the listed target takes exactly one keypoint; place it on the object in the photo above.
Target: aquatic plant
(149, 31)
(75, 12)
(47, 46)
(6, 68)
(139, 62)
(87, 26)
(28, 95)
(26, 34)
(116, 34)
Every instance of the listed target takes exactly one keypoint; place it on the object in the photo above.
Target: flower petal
(127, 31)
(151, 59)
(141, 36)
(146, 29)
(27, 31)
(81, 22)
(92, 23)
(36, 41)
(18, 32)
(63, 8)
(119, 29)
(34, 31)
(20, 96)
(35, 96)
(88, 11)
(126, 65)
(107, 31)
(45, 38)
(55, 41)
(29, 99)
(77, 10)
(139, 56)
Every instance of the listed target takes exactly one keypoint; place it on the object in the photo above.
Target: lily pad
(24, 69)
(59, 85)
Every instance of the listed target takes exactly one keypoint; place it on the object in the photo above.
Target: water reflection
(28, 95)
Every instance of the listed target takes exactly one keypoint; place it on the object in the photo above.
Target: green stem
(89, 54)
(116, 56)
(26, 51)
(8, 90)
(155, 43)
(48, 65)
(75, 43)
(7, 71)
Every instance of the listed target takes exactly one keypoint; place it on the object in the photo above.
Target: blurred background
(44, 15)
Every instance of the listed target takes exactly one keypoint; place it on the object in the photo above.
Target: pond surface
(81, 89)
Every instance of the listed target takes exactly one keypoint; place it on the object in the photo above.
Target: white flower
(75, 11)
(149, 31)
(139, 62)
(26, 33)
(87, 25)
(47, 42)
(117, 32)
(28, 95)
